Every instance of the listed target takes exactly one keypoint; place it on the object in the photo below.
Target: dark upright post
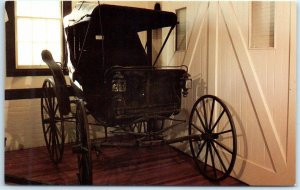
(149, 46)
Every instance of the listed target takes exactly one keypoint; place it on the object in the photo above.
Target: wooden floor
(161, 165)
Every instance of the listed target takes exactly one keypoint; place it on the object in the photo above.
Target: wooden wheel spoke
(57, 119)
(45, 108)
(200, 149)
(218, 120)
(223, 146)
(58, 131)
(206, 157)
(55, 156)
(47, 129)
(54, 137)
(47, 95)
(198, 129)
(57, 135)
(54, 144)
(212, 160)
(51, 109)
(46, 134)
(56, 108)
(50, 135)
(58, 144)
(224, 132)
(48, 105)
(219, 157)
(211, 113)
(205, 114)
(52, 140)
(198, 114)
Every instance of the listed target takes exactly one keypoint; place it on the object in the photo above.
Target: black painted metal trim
(17, 94)
(28, 93)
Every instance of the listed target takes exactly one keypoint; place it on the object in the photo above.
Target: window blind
(262, 24)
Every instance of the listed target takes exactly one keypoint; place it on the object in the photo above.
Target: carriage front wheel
(52, 121)
(83, 146)
(215, 151)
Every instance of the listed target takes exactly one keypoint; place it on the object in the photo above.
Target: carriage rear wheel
(215, 150)
(52, 121)
(83, 146)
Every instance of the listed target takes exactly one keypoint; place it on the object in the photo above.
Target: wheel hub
(209, 136)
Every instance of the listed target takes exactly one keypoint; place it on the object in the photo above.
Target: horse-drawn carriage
(113, 79)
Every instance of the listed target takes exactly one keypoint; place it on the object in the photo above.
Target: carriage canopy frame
(113, 18)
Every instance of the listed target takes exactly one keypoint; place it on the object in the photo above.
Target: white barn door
(257, 82)
(244, 53)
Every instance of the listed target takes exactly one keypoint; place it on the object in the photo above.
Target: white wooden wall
(258, 85)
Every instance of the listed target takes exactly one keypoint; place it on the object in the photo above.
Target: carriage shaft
(148, 143)
(184, 138)
(168, 141)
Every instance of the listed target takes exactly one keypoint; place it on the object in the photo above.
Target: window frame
(176, 30)
(11, 53)
(251, 46)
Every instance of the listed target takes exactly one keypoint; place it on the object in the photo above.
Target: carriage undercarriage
(203, 135)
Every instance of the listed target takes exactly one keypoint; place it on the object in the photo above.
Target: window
(262, 24)
(32, 27)
(180, 40)
(38, 27)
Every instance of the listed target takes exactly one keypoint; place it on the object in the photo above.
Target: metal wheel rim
(52, 122)
(84, 160)
(209, 149)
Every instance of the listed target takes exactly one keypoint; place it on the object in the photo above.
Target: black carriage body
(110, 68)
(149, 93)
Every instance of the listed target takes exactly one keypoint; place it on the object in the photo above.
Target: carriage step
(78, 149)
